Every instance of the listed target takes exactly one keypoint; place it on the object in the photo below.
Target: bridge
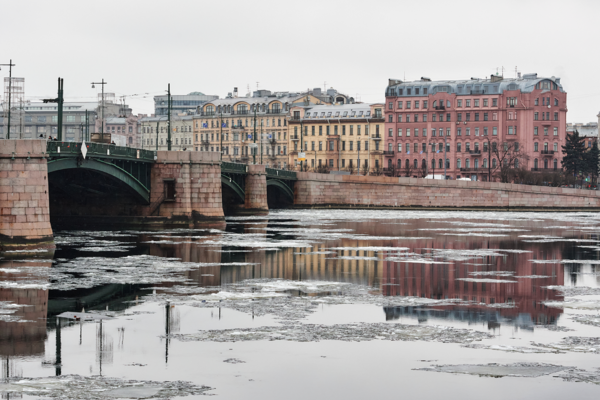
(45, 184)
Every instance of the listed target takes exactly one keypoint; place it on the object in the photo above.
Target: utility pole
(221, 146)
(169, 120)
(489, 161)
(445, 157)
(102, 105)
(254, 134)
(261, 143)
(87, 126)
(59, 100)
(10, 65)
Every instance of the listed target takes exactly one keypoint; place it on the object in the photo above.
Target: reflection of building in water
(23, 334)
(450, 281)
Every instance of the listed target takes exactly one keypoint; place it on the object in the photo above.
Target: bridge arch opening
(279, 194)
(232, 194)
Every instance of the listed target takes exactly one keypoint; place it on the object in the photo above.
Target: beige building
(254, 127)
(337, 137)
(154, 132)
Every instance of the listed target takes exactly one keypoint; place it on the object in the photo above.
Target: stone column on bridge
(256, 190)
(24, 206)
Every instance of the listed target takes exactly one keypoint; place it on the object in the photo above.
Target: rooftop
(494, 85)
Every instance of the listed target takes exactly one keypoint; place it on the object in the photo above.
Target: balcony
(240, 112)
(295, 137)
(205, 142)
(376, 137)
(294, 119)
(475, 152)
(476, 92)
(469, 169)
(388, 153)
(440, 108)
(272, 142)
(547, 152)
(275, 111)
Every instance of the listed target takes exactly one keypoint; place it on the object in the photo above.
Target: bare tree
(408, 170)
(509, 158)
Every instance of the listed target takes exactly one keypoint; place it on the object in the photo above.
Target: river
(322, 303)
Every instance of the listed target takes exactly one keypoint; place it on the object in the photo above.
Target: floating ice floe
(525, 370)
(576, 344)
(216, 297)
(355, 258)
(484, 280)
(571, 291)
(371, 248)
(357, 332)
(575, 304)
(98, 388)
(494, 273)
(511, 349)
(593, 320)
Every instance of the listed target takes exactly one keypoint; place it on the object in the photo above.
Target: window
(458, 165)
(485, 102)
(433, 117)
(399, 104)
(545, 131)
(448, 117)
(390, 132)
(416, 103)
(391, 106)
(425, 101)
(459, 103)
(416, 117)
(535, 146)
(399, 147)
(485, 131)
(476, 116)
(468, 115)
(536, 116)
(399, 132)
(459, 132)
(476, 131)
(408, 132)
(556, 116)
(555, 147)
(320, 130)
(408, 104)
(468, 132)
(485, 116)
(407, 118)
(476, 103)
(468, 103)
(555, 131)
(416, 132)
(424, 118)
(399, 117)
(510, 130)
(390, 118)
(458, 147)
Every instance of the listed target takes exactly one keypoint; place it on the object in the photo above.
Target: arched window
(441, 163)
(546, 164)
(433, 163)
(467, 163)
(416, 164)
(535, 146)
(423, 164)
(210, 110)
(475, 163)
(545, 146)
(485, 163)
(458, 165)
(447, 163)
(494, 163)
(555, 164)
(407, 164)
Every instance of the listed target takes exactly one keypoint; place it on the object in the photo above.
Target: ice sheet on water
(575, 304)
(571, 291)
(315, 252)
(485, 280)
(494, 273)
(98, 388)
(533, 276)
(371, 248)
(308, 287)
(593, 320)
(511, 349)
(141, 269)
(576, 344)
(525, 370)
(354, 258)
(223, 295)
(358, 332)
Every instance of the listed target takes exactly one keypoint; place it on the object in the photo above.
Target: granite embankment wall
(322, 190)
(24, 210)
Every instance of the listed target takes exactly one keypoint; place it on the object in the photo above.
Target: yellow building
(228, 125)
(338, 137)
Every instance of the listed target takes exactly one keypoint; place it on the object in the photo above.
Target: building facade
(124, 131)
(155, 132)
(180, 103)
(468, 123)
(40, 121)
(253, 128)
(337, 137)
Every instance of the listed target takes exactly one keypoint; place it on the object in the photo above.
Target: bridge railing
(280, 173)
(233, 167)
(56, 149)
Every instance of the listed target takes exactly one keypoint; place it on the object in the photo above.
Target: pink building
(426, 119)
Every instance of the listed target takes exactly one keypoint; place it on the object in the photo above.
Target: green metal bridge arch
(125, 164)
(285, 189)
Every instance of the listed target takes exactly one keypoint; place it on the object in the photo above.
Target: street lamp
(93, 86)
(9, 65)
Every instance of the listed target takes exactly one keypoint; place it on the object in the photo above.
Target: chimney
(519, 75)
(235, 92)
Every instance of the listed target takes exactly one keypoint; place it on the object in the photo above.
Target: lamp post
(445, 178)
(169, 115)
(221, 133)
(102, 117)
(9, 65)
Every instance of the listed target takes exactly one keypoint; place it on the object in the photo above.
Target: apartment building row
(463, 125)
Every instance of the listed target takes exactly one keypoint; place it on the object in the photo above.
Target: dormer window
(360, 113)
(328, 114)
(353, 113)
(337, 113)
(322, 114)
(345, 114)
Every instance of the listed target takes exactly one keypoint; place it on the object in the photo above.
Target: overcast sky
(139, 47)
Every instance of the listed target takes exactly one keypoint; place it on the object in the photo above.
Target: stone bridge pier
(24, 206)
